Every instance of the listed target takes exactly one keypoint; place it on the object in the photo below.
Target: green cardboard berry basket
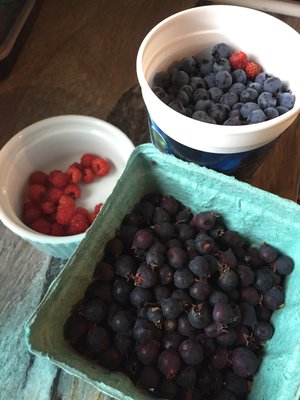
(256, 214)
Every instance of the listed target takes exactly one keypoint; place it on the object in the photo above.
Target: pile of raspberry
(50, 207)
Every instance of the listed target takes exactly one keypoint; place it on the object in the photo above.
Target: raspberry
(72, 190)
(53, 194)
(100, 166)
(38, 177)
(64, 215)
(252, 69)
(78, 224)
(36, 192)
(98, 208)
(57, 229)
(31, 212)
(238, 59)
(87, 159)
(66, 201)
(48, 207)
(75, 172)
(41, 226)
(83, 211)
(58, 178)
(88, 175)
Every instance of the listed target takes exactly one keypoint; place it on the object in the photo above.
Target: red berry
(238, 59)
(57, 229)
(87, 159)
(83, 211)
(67, 201)
(53, 194)
(252, 69)
(72, 190)
(88, 175)
(58, 178)
(100, 166)
(36, 192)
(38, 177)
(78, 224)
(75, 172)
(41, 226)
(98, 207)
(64, 215)
(31, 212)
(48, 207)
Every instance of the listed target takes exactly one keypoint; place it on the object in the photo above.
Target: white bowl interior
(56, 143)
(264, 38)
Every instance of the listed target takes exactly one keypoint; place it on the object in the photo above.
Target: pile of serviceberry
(226, 89)
(51, 199)
(180, 303)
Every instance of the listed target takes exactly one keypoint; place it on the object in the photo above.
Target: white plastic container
(265, 39)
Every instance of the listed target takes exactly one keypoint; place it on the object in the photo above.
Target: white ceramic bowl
(55, 143)
(266, 39)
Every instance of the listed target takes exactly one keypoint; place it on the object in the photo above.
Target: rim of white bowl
(21, 229)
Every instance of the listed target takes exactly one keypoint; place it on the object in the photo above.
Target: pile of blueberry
(222, 89)
(180, 303)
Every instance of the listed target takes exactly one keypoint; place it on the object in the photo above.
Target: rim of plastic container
(217, 131)
(21, 229)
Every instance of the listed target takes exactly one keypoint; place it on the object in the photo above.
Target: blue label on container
(241, 164)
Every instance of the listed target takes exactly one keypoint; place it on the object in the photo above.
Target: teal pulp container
(256, 214)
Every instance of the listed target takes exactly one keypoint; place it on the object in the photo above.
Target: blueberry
(233, 121)
(183, 98)
(281, 110)
(218, 112)
(271, 112)
(247, 108)
(229, 98)
(161, 94)
(234, 113)
(223, 79)
(237, 106)
(206, 66)
(260, 78)
(203, 116)
(221, 64)
(248, 95)
(272, 84)
(188, 64)
(177, 106)
(256, 116)
(210, 80)
(257, 86)
(200, 94)
(180, 78)
(188, 89)
(215, 93)
(162, 79)
(266, 99)
(197, 82)
(238, 88)
(203, 105)
(286, 99)
(239, 76)
(221, 50)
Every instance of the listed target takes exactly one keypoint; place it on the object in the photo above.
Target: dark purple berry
(263, 330)
(171, 308)
(191, 352)
(228, 279)
(183, 278)
(246, 274)
(220, 358)
(177, 257)
(122, 321)
(76, 328)
(125, 266)
(145, 277)
(267, 253)
(143, 331)
(200, 290)
(187, 376)
(140, 297)
(244, 362)
(110, 358)
(148, 377)
(147, 353)
(143, 239)
(199, 316)
(204, 220)
(94, 310)
(273, 298)
(169, 363)
(97, 340)
(165, 275)
(283, 265)
(104, 271)
(204, 243)
(225, 313)
(200, 267)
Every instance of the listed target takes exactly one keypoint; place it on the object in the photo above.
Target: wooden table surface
(79, 58)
